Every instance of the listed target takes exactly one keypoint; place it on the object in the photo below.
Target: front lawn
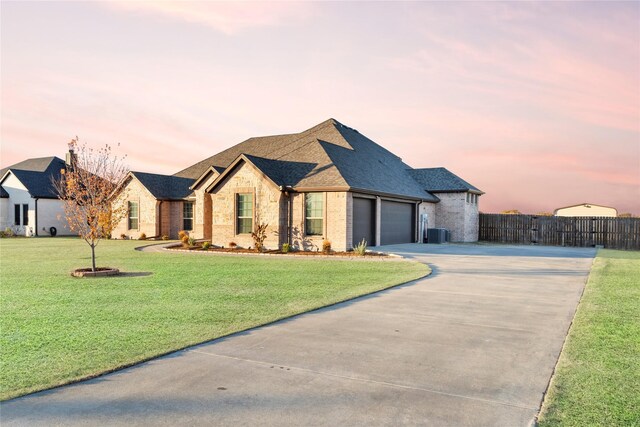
(56, 329)
(597, 381)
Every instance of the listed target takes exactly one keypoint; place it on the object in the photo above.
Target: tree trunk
(93, 258)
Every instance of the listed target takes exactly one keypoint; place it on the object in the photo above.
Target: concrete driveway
(474, 344)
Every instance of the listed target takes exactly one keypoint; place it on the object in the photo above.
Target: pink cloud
(224, 16)
(539, 72)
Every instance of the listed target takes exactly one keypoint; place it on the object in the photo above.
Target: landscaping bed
(99, 272)
(180, 247)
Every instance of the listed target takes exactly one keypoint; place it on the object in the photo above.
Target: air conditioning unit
(437, 235)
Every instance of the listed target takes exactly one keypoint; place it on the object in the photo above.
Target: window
(244, 209)
(25, 214)
(16, 214)
(313, 214)
(468, 197)
(187, 216)
(133, 215)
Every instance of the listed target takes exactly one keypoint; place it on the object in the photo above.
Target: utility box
(437, 235)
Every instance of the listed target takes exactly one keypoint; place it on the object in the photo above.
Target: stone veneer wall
(202, 210)
(337, 222)
(460, 217)
(147, 223)
(267, 200)
(472, 221)
(430, 210)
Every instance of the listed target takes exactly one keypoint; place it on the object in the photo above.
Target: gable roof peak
(164, 187)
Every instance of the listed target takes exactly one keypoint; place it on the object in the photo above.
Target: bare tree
(86, 187)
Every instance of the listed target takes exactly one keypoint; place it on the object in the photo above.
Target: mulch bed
(100, 272)
(276, 252)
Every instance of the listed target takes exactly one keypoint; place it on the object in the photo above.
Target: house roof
(212, 170)
(37, 175)
(585, 204)
(39, 164)
(328, 155)
(441, 180)
(278, 172)
(165, 187)
(3, 193)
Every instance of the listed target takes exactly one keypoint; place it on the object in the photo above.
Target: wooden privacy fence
(613, 233)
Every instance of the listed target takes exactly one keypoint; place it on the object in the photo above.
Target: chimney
(71, 157)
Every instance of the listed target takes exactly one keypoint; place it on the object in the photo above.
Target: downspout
(289, 218)
(160, 218)
(36, 215)
(416, 224)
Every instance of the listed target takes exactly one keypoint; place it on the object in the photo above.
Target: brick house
(329, 181)
(157, 205)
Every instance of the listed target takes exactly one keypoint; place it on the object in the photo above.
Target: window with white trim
(244, 213)
(313, 214)
(187, 216)
(133, 215)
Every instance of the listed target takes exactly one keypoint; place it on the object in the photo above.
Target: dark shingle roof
(40, 164)
(165, 187)
(3, 193)
(440, 180)
(327, 155)
(37, 175)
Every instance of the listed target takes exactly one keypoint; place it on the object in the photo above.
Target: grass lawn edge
(546, 395)
(211, 340)
(596, 377)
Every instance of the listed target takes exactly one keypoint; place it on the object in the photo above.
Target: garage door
(397, 222)
(364, 221)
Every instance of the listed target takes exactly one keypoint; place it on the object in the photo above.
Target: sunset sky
(537, 104)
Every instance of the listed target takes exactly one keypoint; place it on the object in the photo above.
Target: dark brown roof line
(299, 135)
(360, 190)
(302, 135)
(232, 166)
(203, 177)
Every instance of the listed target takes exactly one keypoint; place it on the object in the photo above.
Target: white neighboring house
(29, 204)
(586, 209)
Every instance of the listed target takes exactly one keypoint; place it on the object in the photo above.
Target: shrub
(123, 236)
(206, 246)
(8, 232)
(285, 248)
(165, 237)
(191, 241)
(360, 248)
(259, 236)
(185, 240)
(182, 234)
(143, 236)
(233, 245)
(326, 246)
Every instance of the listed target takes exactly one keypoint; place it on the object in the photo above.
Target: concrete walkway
(474, 344)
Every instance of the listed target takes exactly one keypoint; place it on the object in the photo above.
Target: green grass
(57, 329)
(597, 380)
